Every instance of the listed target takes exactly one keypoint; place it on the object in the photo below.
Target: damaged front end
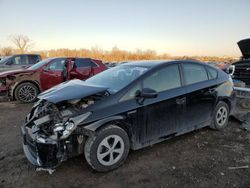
(10, 79)
(51, 134)
(5, 83)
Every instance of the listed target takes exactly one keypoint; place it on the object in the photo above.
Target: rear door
(83, 69)
(201, 94)
(51, 74)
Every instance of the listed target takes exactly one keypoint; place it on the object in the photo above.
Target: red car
(25, 84)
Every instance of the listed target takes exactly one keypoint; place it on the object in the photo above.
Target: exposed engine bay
(50, 130)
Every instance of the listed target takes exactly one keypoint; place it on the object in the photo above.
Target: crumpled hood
(74, 89)
(244, 46)
(13, 72)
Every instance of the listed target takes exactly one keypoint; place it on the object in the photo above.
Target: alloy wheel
(27, 93)
(221, 116)
(110, 150)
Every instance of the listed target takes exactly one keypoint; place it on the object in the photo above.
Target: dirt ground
(197, 159)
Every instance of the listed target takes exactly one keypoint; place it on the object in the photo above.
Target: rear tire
(221, 116)
(26, 92)
(107, 149)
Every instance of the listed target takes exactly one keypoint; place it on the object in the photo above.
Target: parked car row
(25, 84)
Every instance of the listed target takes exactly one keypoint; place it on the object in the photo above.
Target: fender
(94, 126)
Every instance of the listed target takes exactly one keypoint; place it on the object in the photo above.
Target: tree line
(23, 44)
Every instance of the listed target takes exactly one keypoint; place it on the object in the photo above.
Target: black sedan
(130, 106)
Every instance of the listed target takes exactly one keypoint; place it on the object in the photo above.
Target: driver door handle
(181, 100)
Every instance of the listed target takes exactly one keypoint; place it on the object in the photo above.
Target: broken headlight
(67, 128)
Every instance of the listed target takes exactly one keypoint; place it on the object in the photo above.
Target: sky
(176, 27)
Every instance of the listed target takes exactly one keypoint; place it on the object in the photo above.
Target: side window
(56, 64)
(164, 79)
(194, 73)
(34, 59)
(81, 63)
(131, 93)
(21, 60)
(212, 73)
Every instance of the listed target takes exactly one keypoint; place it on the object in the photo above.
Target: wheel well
(228, 102)
(119, 124)
(32, 82)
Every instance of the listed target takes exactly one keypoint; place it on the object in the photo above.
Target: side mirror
(148, 93)
(145, 93)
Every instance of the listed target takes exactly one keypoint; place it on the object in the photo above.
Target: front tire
(107, 149)
(221, 116)
(26, 92)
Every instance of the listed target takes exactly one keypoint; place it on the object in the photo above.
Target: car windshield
(4, 60)
(39, 64)
(117, 78)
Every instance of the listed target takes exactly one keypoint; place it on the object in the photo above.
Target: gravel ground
(197, 159)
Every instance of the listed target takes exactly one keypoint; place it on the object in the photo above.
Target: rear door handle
(181, 100)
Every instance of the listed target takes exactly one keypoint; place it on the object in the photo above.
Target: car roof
(156, 63)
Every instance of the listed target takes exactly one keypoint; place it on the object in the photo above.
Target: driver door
(164, 115)
(160, 117)
(51, 74)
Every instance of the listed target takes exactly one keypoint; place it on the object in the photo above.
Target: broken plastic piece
(50, 171)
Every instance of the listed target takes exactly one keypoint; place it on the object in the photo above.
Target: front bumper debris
(44, 155)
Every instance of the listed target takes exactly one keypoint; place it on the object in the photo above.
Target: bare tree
(22, 42)
(6, 51)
